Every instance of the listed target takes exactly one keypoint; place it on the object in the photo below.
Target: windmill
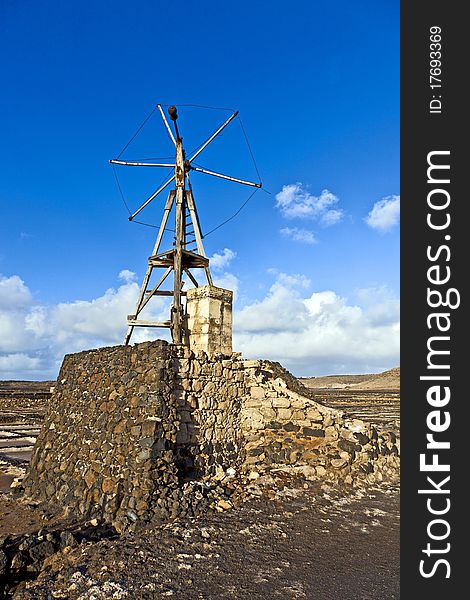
(178, 259)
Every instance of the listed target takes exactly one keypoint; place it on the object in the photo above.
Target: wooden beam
(208, 275)
(128, 163)
(170, 133)
(177, 309)
(213, 136)
(215, 174)
(136, 323)
(195, 222)
(139, 301)
(190, 275)
(127, 339)
(161, 262)
(166, 213)
(154, 195)
(197, 233)
(144, 301)
(164, 293)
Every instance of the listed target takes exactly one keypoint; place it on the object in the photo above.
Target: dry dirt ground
(286, 538)
(22, 409)
(289, 539)
(372, 398)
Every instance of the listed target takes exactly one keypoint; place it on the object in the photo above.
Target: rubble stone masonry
(134, 432)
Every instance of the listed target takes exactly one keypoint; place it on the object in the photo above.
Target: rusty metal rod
(213, 136)
(127, 163)
(154, 195)
(215, 174)
(167, 125)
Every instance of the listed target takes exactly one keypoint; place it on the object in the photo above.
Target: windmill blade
(222, 176)
(154, 195)
(127, 163)
(213, 136)
(167, 125)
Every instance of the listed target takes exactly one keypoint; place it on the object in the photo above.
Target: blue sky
(316, 273)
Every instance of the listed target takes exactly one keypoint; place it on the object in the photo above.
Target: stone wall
(108, 438)
(138, 431)
(282, 426)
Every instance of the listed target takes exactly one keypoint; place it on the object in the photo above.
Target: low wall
(23, 400)
(281, 426)
(133, 432)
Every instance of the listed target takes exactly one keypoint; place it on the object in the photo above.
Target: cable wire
(150, 225)
(234, 214)
(120, 190)
(127, 206)
(201, 106)
(137, 132)
(250, 150)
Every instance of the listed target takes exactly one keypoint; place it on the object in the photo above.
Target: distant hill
(388, 380)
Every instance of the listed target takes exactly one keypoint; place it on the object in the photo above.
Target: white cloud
(385, 214)
(331, 217)
(13, 293)
(20, 362)
(322, 333)
(34, 338)
(311, 333)
(303, 236)
(381, 306)
(294, 281)
(127, 276)
(217, 261)
(15, 303)
(294, 201)
(282, 310)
